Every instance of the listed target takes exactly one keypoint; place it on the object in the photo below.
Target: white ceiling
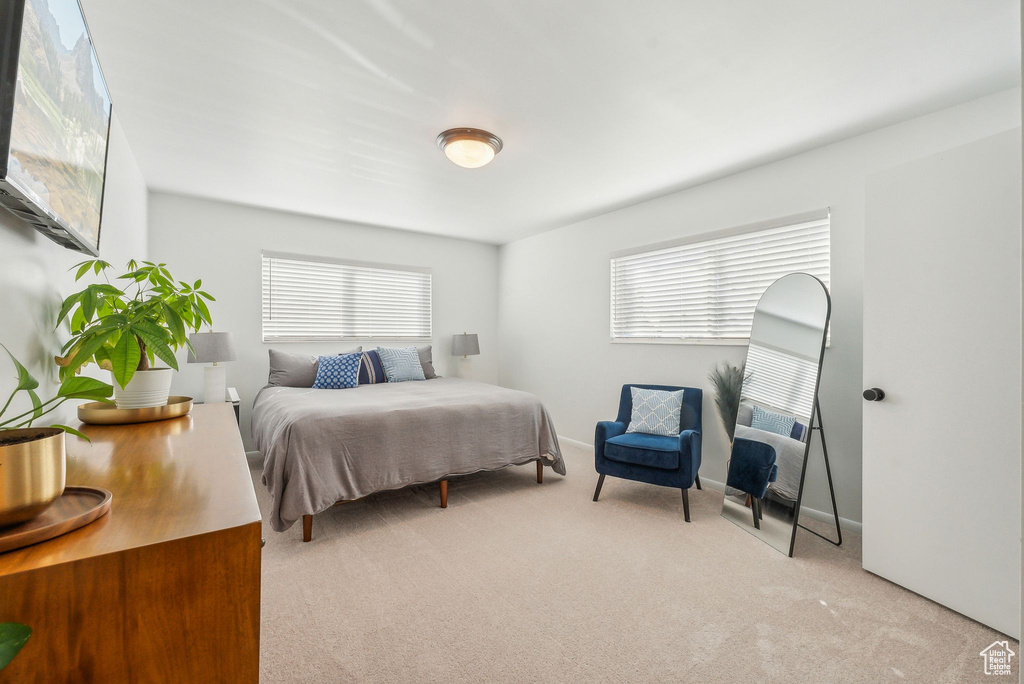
(331, 108)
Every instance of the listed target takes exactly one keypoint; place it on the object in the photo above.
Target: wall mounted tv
(54, 121)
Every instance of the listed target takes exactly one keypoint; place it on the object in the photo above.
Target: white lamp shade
(465, 345)
(211, 347)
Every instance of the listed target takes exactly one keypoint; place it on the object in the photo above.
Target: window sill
(667, 340)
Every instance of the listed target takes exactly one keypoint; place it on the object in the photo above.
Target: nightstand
(232, 397)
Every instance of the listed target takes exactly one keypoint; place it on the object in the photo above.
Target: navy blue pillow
(798, 431)
(370, 369)
(337, 372)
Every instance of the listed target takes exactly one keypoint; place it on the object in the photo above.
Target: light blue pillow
(401, 364)
(655, 412)
(772, 422)
(338, 372)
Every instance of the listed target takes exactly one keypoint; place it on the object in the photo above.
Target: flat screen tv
(54, 121)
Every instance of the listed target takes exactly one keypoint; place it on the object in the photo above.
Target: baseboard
(575, 442)
(844, 523)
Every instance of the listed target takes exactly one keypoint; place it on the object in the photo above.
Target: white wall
(221, 243)
(34, 275)
(554, 288)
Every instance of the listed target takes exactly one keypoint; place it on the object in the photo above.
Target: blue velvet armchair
(655, 459)
(751, 469)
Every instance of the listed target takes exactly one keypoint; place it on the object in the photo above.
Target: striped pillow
(401, 364)
(772, 422)
(370, 370)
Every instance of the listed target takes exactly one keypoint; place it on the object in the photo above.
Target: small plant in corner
(728, 383)
(125, 325)
(71, 388)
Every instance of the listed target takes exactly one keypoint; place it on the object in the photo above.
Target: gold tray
(98, 413)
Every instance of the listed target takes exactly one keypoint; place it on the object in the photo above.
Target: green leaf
(72, 431)
(125, 358)
(77, 320)
(89, 343)
(174, 324)
(155, 338)
(83, 269)
(207, 295)
(84, 388)
(25, 379)
(65, 308)
(100, 265)
(37, 404)
(88, 304)
(107, 289)
(13, 635)
(198, 284)
(204, 311)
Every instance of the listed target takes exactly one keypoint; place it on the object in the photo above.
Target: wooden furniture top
(170, 479)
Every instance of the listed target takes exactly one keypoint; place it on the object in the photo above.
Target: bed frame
(307, 520)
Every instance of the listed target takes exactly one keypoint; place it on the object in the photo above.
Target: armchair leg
(686, 505)
(444, 493)
(696, 480)
(600, 481)
(540, 471)
(755, 507)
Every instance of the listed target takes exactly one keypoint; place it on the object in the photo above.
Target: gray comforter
(324, 446)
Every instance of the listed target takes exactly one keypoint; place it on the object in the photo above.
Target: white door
(942, 317)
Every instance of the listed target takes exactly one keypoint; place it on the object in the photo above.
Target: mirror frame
(815, 421)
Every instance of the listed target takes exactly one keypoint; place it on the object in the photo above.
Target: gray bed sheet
(324, 446)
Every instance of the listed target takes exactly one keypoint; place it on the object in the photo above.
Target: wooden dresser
(166, 586)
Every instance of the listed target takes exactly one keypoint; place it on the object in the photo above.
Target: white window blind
(706, 291)
(780, 380)
(309, 298)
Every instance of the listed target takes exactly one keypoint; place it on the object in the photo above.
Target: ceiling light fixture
(470, 148)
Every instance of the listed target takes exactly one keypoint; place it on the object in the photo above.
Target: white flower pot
(146, 388)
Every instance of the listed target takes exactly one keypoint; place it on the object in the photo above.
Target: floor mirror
(779, 413)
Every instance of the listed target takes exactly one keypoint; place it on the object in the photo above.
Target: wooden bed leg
(307, 528)
(540, 471)
(444, 493)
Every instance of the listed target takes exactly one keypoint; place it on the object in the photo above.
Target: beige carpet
(520, 582)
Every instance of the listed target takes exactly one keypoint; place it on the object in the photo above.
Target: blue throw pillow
(401, 364)
(655, 412)
(338, 372)
(370, 369)
(772, 422)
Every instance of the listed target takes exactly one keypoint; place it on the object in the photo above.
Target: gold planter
(31, 472)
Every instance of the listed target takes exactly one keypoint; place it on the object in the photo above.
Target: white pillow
(656, 412)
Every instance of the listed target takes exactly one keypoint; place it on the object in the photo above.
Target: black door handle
(874, 394)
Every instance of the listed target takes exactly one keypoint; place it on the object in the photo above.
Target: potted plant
(728, 383)
(125, 332)
(32, 459)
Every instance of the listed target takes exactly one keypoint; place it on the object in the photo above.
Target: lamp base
(215, 385)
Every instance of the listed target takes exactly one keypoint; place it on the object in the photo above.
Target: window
(312, 298)
(706, 291)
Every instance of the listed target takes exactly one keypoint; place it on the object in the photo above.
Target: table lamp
(465, 345)
(212, 347)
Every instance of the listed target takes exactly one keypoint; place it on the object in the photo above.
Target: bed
(322, 447)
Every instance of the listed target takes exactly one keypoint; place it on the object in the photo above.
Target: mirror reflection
(776, 412)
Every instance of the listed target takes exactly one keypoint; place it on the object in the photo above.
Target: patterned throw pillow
(656, 412)
(772, 422)
(370, 369)
(401, 364)
(338, 372)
